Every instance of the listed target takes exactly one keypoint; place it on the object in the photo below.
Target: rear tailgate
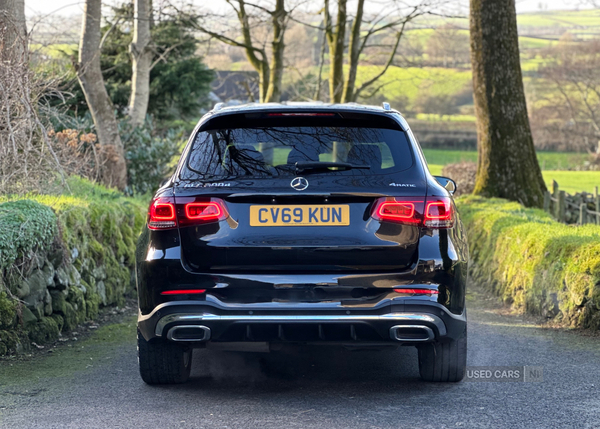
(250, 165)
(235, 245)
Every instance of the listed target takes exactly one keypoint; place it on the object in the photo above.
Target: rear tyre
(443, 361)
(162, 362)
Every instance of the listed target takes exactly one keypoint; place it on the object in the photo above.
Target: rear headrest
(306, 154)
(368, 154)
(245, 151)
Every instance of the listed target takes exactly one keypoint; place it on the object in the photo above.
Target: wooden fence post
(597, 201)
(562, 207)
(583, 214)
(547, 201)
(554, 204)
(555, 189)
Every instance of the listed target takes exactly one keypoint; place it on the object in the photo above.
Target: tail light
(183, 292)
(416, 291)
(438, 213)
(399, 210)
(164, 213)
(161, 214)
(432, 212)
(200, 210)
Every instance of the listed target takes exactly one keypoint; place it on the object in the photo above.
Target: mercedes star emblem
(299, 184)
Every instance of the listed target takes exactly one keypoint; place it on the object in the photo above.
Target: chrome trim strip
(395, 335)
(205, 330)
(279, 306)
(391, 317)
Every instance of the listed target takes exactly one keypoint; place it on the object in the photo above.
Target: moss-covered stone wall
(62, 258)
(534, 263)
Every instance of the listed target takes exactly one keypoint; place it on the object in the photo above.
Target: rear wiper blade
(318, 165)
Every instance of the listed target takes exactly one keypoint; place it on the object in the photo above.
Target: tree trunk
(114, 169)
(336, 41)
(141, 60)
(508, 167)
(15, 121)
(13, 43)
(354, 54)
(264, 75)
(269, 75)
(322, 41)
(278, 18)
(261, 65)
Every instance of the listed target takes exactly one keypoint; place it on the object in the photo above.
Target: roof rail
(386, 105)
(219, 106)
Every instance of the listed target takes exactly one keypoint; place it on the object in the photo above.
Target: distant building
(235, 87)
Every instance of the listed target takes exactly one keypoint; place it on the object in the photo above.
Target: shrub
(150, 157)
(25, 226)
(443, 104)
(463, 173)
(77, 151)
(151, 154)
(534, 263)
(26, 157)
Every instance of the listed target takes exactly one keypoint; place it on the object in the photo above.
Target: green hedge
(533, 262)
(24, 226)
(62, 257)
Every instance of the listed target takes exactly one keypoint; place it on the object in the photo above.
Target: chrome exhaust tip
(195, 333)
(411, 333)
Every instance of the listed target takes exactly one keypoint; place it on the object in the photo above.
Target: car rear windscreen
(264, 152)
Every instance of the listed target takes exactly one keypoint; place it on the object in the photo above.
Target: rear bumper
(197, 323)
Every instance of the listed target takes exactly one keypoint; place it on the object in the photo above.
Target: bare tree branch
(162, 56)
(112, 27)
(385, 68)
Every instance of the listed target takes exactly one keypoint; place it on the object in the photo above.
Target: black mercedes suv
(302, 223)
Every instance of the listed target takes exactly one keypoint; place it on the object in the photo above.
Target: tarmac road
(319, 387)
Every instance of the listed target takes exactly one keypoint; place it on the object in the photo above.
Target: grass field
(553, 164)
(436, 169)
(573, 181)
(535, 43)
(559, 18)
(408, 83)
(548, 160)
(56, 50)
(569, 181)
(433, 117)
(537, 31)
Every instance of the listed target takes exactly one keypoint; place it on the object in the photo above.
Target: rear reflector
(431, 212)
(183, 292)
(417, 291)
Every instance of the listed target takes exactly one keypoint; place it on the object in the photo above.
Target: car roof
(221, 109)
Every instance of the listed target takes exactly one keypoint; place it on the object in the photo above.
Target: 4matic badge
(404, 185)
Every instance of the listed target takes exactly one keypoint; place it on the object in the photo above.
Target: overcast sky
(75, 7)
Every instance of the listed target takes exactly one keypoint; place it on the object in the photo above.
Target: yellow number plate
(321, 215)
